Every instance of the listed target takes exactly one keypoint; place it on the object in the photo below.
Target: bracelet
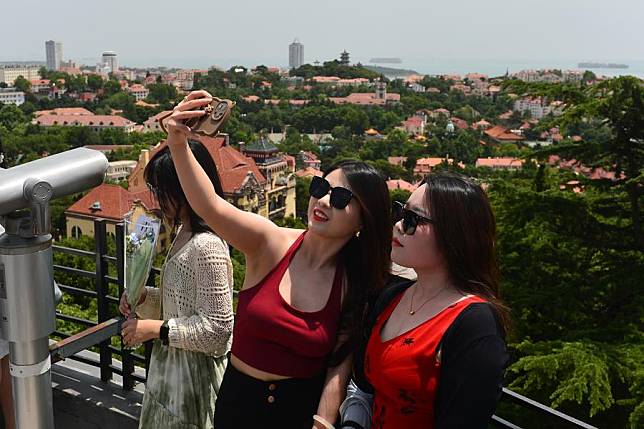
(323, 422)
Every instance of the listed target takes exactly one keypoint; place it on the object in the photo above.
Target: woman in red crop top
(300, 309)
(435, 356)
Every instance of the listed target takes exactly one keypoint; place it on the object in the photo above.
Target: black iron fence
(108, 317)
(108, 325)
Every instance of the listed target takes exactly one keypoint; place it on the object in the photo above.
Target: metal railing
(109, 324)
(107, 320)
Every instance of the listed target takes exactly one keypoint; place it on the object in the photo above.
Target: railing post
(126, 353)
(100, 240)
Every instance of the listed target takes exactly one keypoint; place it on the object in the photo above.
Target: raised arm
(246, 231)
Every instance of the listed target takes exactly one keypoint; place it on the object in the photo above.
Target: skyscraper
(110, 60)
(54, 54)
(295, 54)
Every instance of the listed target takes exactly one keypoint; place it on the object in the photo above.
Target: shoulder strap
(395, 286)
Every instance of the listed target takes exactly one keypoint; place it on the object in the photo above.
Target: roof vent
(96, 205)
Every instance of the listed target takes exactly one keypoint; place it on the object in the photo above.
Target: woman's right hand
(124, 307)
(189, 107)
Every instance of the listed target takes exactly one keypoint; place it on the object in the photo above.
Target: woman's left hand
(137, 331)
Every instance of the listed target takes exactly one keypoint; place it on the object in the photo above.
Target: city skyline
(574, 31)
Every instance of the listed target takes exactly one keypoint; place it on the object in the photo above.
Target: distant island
(602, 66)
(391, 72)
(385, 60)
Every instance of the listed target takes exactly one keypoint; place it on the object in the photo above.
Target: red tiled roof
(414, 121)
(137, 87)
(431, 162)
(308, 172)
(460, 123)
(500, 133)
(310, 155)
(83, 120)
(232, 166)
(499, 162)
(115, 202)
(366, 98)
(61, 111)
(400, 184)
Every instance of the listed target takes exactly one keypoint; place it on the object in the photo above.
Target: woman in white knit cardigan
(190, 316)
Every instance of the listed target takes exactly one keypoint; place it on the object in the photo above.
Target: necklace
(411, 302)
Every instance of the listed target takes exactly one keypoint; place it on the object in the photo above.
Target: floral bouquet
(141, 234)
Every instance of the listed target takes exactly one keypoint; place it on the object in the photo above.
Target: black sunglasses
(340, 197)
(410, 219)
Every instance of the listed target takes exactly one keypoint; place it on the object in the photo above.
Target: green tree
(162, 93)
(11, 116)
(618, 105)
(22, 84)
(94, 82)
(571, 276)
(112, 87)
(400, 195)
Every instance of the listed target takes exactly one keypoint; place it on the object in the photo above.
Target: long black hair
(465, 231)
(366, 258)
(162, 179)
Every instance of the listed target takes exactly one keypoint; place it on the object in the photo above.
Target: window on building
(76, 232)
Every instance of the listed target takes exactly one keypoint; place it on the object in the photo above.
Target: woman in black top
(437, 354)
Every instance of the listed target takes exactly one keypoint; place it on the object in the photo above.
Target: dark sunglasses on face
(410, 220)
(340, 197)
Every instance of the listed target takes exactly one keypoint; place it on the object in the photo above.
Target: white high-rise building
(111, 60)
(54, 54)
(295, 54)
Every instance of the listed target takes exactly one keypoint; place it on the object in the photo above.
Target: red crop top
(272, 336)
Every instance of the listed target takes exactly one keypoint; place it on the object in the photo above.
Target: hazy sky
(205, 32)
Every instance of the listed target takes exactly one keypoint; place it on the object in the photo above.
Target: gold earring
(358, 234)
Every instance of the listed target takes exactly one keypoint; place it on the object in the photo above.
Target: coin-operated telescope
(27, 309)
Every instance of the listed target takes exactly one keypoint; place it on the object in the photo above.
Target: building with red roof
(501, 163)
(243, 183)
(501, 134)
(401, 184)
(95, 122)
(112, 203)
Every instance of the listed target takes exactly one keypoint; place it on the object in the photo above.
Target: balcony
(101, 386)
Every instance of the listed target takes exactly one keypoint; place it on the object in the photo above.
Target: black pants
(246, 402)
